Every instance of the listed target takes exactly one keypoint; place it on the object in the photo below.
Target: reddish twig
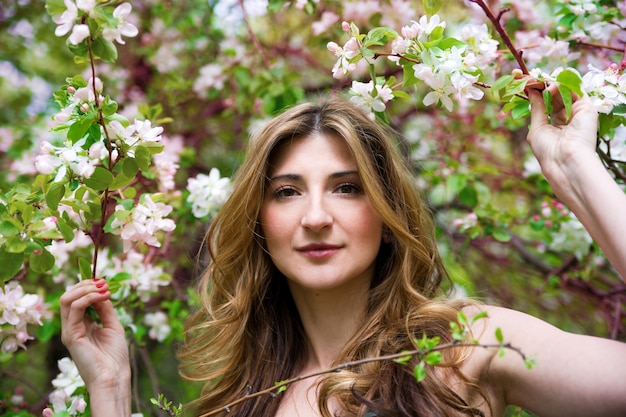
(495, 20)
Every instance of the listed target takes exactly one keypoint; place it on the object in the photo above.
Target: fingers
(74, 303)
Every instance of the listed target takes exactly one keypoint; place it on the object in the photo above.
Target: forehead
(322, 149)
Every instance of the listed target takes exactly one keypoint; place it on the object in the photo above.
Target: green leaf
(105, 49)
(448, 43)
(570, 79)
(403, 360)
(431, 7)
(48, 330)
(15, 245)
(275, 5)
(120, 181)
(436, 34)
(41, 262)
(462, 318)
(130, 167)
(55, 7)
(11, 264)
(100, 179)
(54, 195)
(566, 95)
(519, 109)
(66, 230)
(419, 371)
(468, 196)
(84, 265)
(547, 100)
(499, 336)
(109, 107)
(143, 157)
(501, 235)
(94, 134)
(79, 128)
(8, 228)
(456, 182)
(401, 94)
(434, 358)
(379, 36)
(479, 316)
(502, 82)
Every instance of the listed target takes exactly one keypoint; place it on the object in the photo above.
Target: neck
(330, 318)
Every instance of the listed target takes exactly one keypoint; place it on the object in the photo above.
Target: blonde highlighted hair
(247, 334)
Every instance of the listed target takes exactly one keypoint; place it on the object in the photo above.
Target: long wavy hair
(247, 334)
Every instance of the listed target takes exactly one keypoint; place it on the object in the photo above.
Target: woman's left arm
(574, 375)
(566, 152)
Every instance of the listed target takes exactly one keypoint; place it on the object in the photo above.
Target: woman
(324, 254)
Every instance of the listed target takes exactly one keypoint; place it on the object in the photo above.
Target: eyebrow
(296, 177)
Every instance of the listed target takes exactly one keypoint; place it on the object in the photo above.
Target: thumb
(107, 314)
(538, 116)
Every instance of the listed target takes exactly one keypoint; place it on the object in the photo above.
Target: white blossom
(79, 34)
(66, 19)
(345, 54)
(211, 76)
(144, 221)
(159, 327)
(572, 237)
(124, 28)
(68, 380)
(17, 311)
(370, 97)
(207, 193)
(59, 399)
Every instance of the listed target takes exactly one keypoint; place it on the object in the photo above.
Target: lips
(319, 250)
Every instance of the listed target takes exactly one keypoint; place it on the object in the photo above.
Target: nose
(316, 215)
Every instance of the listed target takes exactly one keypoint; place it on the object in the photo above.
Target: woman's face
(320, 228)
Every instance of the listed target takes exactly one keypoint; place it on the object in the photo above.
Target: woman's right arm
(100, 350)
(566, 150)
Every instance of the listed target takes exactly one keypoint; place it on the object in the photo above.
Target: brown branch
(272, 391)
(24, 381)
(255, 39)
(599, 46)
(616, 319)
(611, 164)
(495, 20)
(104, 205)
(379, 54)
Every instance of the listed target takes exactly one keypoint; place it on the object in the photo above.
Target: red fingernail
(100, 285)
(103, 292)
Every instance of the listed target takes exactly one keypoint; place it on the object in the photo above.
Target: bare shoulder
(574, 375)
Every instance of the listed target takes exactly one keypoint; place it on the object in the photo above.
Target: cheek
(274, 226)
(369, 226)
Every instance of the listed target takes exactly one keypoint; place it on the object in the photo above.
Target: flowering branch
(497, 24)
(401, 357)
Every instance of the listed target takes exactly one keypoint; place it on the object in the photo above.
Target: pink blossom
(324, 24)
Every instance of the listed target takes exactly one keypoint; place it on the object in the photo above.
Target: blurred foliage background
(211, 71)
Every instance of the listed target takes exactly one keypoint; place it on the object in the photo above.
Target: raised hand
(99, 350)
(565, 149)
